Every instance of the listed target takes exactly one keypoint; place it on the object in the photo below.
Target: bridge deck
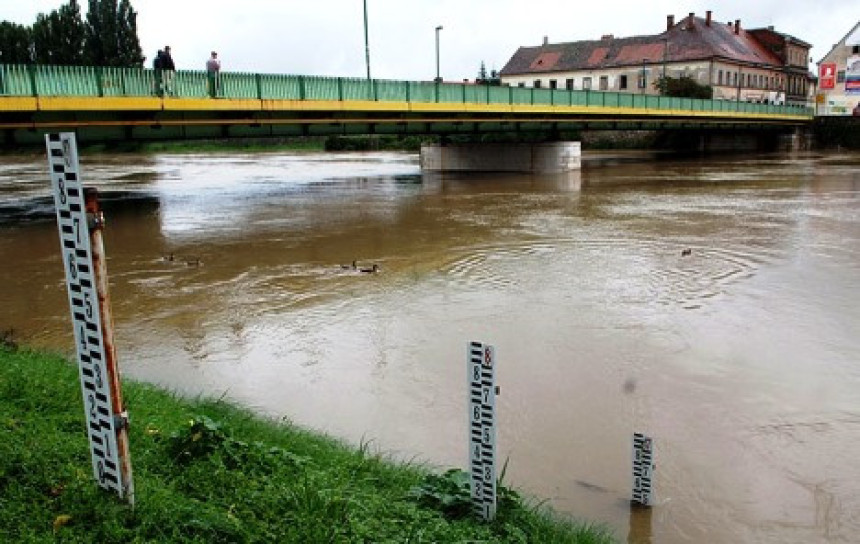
(41, 97)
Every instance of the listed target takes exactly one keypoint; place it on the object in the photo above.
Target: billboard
(827, 75)
(852, 75)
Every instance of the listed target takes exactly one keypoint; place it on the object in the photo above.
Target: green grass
(205, 471)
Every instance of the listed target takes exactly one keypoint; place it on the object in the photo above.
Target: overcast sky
(326, 37)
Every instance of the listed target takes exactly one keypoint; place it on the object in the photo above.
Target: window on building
(840, 76)
(604, 83)
(586, 83)
(521, 84)
(856, 49)
(720, 77)
(622, 82)
(553, 84)
(735, 77)
(643, 80)
(537, 84)
(568, 84)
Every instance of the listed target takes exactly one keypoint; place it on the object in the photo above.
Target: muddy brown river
(741, 359)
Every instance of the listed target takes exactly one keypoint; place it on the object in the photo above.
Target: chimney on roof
(546, 40)
(670, 22)
(691, 20)
(606, 37)
(737, 26)
(708, 18)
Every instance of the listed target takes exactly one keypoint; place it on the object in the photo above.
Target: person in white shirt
(213, 70)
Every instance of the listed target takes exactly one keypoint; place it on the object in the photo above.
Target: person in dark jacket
(157, 63)
(169, 71)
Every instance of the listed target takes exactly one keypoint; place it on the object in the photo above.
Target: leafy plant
(449, 492)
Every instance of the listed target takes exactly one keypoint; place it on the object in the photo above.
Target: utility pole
(438, 77)
(366, 42)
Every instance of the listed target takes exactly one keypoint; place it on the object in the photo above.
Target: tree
(684, 87)
(58, 38)
(482, 72)
(484, 79)
(15, 43)
(110, 37)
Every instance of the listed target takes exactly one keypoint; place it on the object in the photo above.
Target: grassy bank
(205, 471)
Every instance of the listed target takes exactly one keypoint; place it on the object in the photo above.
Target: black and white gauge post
(643, 470)
(482, 427)
(80, 223)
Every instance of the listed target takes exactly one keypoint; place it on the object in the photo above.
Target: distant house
(839, 76)
(759, 65)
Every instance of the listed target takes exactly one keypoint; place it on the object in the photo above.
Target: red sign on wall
(827, 75)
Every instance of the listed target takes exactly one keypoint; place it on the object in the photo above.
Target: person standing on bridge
(213, 71)
(157, 67)
(169, 70)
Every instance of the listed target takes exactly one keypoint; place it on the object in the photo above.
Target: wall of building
(757, 84)
(836, 100)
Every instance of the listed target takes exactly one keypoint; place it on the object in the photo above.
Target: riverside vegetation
(205, 471)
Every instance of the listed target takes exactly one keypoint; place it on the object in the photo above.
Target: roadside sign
(482, 427)
(87, 290)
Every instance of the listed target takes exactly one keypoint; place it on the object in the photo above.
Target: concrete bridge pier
(539, 158)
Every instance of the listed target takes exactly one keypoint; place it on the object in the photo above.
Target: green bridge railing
(94, 81)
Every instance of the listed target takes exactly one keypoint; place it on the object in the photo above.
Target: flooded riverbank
(740, 358)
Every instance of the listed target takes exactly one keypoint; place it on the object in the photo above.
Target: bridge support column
(797, 140)
(543, 158)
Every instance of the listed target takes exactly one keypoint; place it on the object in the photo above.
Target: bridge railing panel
(392, 91)
(476, 94)
(235, 85)
(422, 91)
(521, 95)
(15, 80)
(126, 81)
(358, 89)
(450, 92)
(499, 95)
(320, 88)
(560, 97)
(186, 84)
(578, 98)
(542, 96)
(65, 80)
(278, 86)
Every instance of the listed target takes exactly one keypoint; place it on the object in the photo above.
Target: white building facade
(839, 77)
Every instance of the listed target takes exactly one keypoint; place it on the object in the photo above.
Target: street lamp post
(438, 77)
(366, 42)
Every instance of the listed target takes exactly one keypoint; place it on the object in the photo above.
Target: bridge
(108, 103)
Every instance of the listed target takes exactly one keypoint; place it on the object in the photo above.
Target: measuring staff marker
(80, 223)
(482, 428)
(643, 469)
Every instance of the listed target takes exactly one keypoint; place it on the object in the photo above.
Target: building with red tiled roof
(758, 65)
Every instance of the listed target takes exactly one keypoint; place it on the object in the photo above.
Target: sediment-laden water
(741, 359)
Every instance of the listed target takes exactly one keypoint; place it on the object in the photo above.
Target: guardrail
(97, 81)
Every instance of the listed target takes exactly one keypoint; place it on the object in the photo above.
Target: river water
(741, 359)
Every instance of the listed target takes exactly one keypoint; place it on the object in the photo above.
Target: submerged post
(482, 428)
(80, 224)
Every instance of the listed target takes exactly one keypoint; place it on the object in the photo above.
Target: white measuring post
(482, 427)
(643, 470)
(80, 222)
